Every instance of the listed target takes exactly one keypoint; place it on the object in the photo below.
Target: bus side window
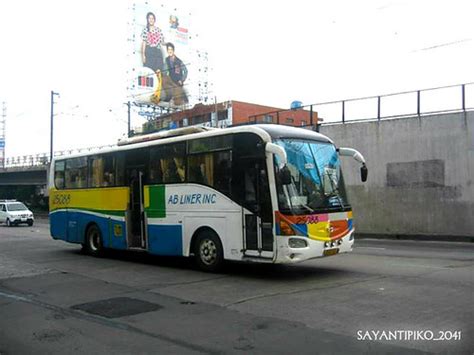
(96, 171)
(109, 168)
(172, 162)
(180, 168)
(249, 185)
(222, 171)
(119, 169)
(76, 173)
(170, 170)
(198, 170)
(59, 168)
(249, 177)
(155, 171)
(101, 171)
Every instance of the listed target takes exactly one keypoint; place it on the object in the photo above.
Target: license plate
(329, 252)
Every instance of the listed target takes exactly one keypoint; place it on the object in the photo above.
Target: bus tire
(93, 241)
(8, 223)
(208, 251)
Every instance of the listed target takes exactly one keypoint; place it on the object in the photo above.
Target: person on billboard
(177, 73)
(152, 39)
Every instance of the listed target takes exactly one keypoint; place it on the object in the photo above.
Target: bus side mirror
(363, 173)
(285, 176)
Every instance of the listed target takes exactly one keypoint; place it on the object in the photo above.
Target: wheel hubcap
(94, 241)
(208, 252)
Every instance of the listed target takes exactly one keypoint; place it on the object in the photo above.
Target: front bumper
(19, 220)
(314, 249)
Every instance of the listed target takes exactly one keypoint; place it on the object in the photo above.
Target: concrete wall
(421, 173)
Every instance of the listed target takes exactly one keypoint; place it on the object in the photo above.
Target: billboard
(167, 69)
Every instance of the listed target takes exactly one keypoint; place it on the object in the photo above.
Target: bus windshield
(316, 184)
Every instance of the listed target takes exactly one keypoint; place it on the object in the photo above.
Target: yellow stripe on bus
(109, 199)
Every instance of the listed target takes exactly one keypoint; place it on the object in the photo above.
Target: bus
(258, 193)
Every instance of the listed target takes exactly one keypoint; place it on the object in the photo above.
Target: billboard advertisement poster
(163, 71)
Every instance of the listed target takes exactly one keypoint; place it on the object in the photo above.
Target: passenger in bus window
(108, 179)
(179, 164)
(170, 171)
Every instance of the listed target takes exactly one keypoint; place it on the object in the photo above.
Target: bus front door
(136, 222)
(257, 216)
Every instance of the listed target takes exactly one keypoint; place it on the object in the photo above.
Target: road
(54, 299)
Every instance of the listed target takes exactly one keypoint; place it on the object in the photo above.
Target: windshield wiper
(308, 208)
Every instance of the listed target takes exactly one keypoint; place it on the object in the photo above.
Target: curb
(422, 237)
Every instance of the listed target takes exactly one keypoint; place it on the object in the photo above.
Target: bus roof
(280, 131)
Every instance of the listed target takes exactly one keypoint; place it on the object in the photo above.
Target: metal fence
(444, 99)
(25, 161)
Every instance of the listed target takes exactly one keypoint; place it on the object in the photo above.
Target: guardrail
(25, 161)
(443, 99)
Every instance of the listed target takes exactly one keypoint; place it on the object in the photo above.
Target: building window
(201, 119)
(222, 115)
(268, 119)
(290, 120)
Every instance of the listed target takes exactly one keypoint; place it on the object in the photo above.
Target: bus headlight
(297, 243)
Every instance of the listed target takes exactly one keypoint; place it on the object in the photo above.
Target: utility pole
(51, 153)
(3, 121)
(128, 118)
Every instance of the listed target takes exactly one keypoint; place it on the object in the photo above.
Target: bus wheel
(93, 243)
(9, 224)
(208, 252)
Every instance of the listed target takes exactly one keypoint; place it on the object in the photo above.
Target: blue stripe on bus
(58, 225)
(165, 239)
(71, 227)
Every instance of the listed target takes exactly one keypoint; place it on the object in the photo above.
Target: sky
(264, 52)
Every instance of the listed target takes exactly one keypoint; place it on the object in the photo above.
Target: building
(232, 113)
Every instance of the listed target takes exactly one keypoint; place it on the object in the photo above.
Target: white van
(13, 212)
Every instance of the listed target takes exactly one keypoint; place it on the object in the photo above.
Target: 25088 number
(61, 199)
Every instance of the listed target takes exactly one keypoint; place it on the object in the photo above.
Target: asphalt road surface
(395, 297)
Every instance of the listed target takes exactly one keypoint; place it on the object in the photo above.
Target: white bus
(258, 193)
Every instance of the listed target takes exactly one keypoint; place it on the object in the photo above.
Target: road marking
(17, 298)
(416, 265)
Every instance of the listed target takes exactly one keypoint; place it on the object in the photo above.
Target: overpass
(31, 175)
